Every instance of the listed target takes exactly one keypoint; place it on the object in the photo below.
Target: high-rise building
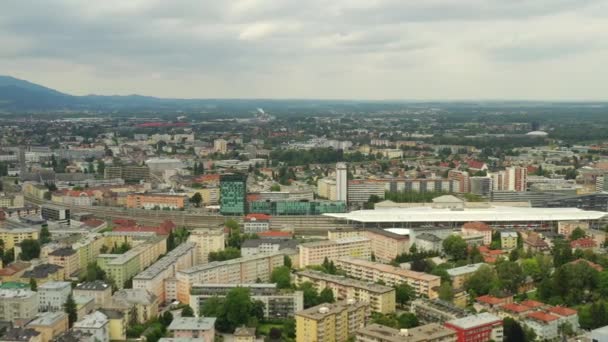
(207, 241)
(481, 186)
(330, 322)
(220, 145)
(341, 182)
(512, 179)
(130, 173)
(233, 194)
(461, 179)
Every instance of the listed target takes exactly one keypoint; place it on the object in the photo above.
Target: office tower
(233, 194)
(341, 182)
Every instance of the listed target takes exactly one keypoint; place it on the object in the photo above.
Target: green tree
(408, 320)
(166, 318)
(30, 249)
(187, 311)
(45, 235)
(275, 187)
(577, 233)
(282, 277)
(513, 332)
(311, 296)
(475, 255)
(238, 307)
(101, 167)
(326, 296)
(404, 293)
(227, 254)
(71, 309)
(33, 284)
(446, 292)
(510, 276)
(196, 199)
(482, 281)
(287, 261)
(455, 247)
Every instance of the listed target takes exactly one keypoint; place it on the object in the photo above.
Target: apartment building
(67, 258)
(510, 179)
(380, 297)
(359, 191)
(482, 327)
(206, 240)
(18, 304)
(43, 273)
(14, 236)
(153, 278)
(262, 246)
(96, 324)
(460, 274)
(130, 173)
(151, 201)
(424, 284)
(88, 248)
(387, 245)
(50, 325)
(98, 290)
(436, 311)
(478, 228)
(52, 295)
(343, 233)
(138, 302)
(508, 240)
(461, 181)
(277, 303)
(326, 188)
(54, 213)
(330, 322)
(432, 332)
(240, 270)
(314, 253)
(256, 223)
(199, 328)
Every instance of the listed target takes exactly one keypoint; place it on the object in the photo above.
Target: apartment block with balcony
(334, 322)
(314, 253)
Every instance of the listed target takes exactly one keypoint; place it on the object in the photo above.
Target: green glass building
(233, 194)
(279, 208)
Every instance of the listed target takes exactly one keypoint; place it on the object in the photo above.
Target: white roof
(491, 214)
(400, 231)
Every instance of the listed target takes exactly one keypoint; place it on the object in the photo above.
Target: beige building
(220, 145)
(330, 322)
(206, 240)
(432, 332)
(16, 304)
(326, 188)
(380, 297)
(153, 278)
(508, 240)
(66, 258)
(50, 325)
(98, 290)
(240, 270)
(423, 283)
(460, 274)
(345, 233)
(88, 248)
(139, 301)
(387, 245)
(14, 236)
(314, 253)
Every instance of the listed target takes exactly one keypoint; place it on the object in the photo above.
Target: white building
(220, 145)
(256, 223)
(52, 295)
(18, 304)
(159, 165)
(341, 182)
(96, 324)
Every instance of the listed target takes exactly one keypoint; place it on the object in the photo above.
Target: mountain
(17, 95)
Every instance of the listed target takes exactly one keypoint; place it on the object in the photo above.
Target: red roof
(487, 299)
(532, 303)
(583, 243)
(542, 316)
(162, 229)
(272, 233)
(257, 217)
(475, 164)
(479, 226)
(563, 311)
(517, 308)
(595, 266)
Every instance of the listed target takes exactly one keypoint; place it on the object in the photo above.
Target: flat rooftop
(473, 321)
(389, 269)
(371, 287)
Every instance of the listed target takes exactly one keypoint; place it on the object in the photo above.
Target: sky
(315, 49)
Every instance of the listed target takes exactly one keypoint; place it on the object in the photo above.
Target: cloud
(374, 49)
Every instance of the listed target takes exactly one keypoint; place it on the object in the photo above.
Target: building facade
(314, 253)
(233, 194)
(330, 322)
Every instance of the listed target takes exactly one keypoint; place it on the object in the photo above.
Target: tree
(166, 318)
(513, 332)
(71, 309)
(475, 255)
(326, 296)
(408, 320)
(30, 249)
(101, 166)
(482, 281)
(187, 311)
(196, 199)
(310, 294)
(282, 277)
(238, 307)
(45, 235)
(510, 275)
(33, 284)
(404, 293)
(275, 187)
(226, 254)
(455, 247)
(446, 292)
(287, 261)
(577, 233)
(257, 309)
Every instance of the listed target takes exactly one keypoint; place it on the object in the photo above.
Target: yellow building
(344, 233)
(50, 325)
(508, 240)
(141, 302)
(206, 240)
(314, 253)
(66, 258)
(330, 322)
(34, 190)
(117, 324)
(381, 298)
(14, 236)
(43, 273)
(88, 249)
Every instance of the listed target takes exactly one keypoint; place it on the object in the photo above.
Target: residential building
(461, 181)
(511, 179)
(261, 246)
(583, 243)
(478, 228)
(428, 242)
(96, 324)
(436, 311)
(566, 315)
(16, 304)
(50, 325)
(387, 245)
(98, 290)
(330, 322)
(482, 327)
(508, 240)
(359, 191)
(295, 207)
(481, 186)
(14, 271)
(88, 248)
(233, 194)
(207, 241)
(460, 274)
(43, 273)
(130, 173)
(14, 236)
(54, 213)
(256, 223)
(380, 297)
(424, 284)
(117, 323)
(52, 295)
(599, 334)
(21, 335)
(153, 278)
(344, 233)
(432, 332)
(544, 325)
(314, 253)
(220, 145)
(76, 336)
(139, 301)
(193, 327)
(240, 270)
(341, 182)
(327, 189)
(277, 303)
(67, 258)
(156, 201)
(244, 334)
(84, 306)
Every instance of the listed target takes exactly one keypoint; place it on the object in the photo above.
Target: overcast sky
(347, 49)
